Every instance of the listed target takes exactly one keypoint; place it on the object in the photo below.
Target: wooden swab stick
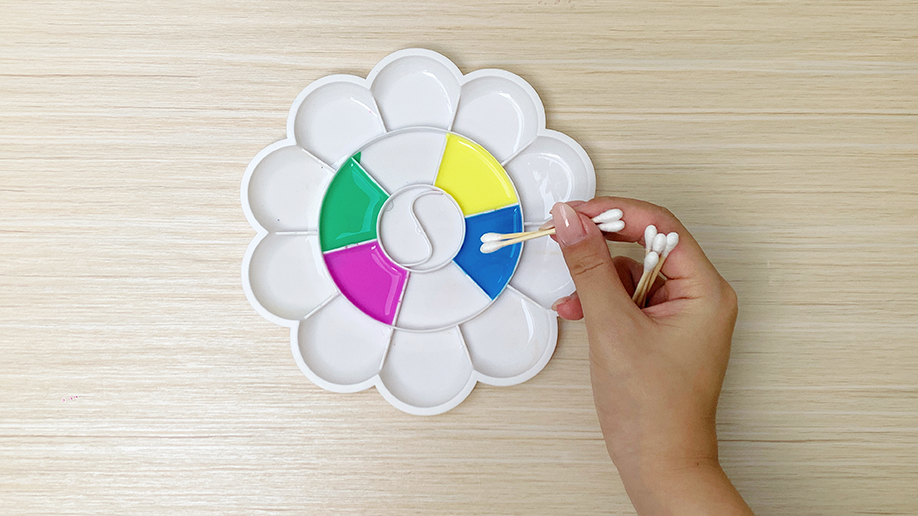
(657, 244)
(497, 237)
(672, 240)
(650, 261)
(494, 245)
(608, 221)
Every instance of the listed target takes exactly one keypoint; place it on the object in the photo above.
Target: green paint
(350, 208)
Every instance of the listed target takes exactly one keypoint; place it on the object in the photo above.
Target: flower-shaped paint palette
(369, 217)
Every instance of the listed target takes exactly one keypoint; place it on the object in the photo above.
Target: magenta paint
(368, 279)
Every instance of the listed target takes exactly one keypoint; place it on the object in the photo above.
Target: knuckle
(709, 287)
(665, 213)
(729, 298)
(588, 266)
(722, 298)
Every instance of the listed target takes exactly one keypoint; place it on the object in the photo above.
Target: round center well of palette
(400, 229)
(421, 228)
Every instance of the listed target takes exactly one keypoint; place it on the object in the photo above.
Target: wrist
(659, 473)
(684, 486)
(663, 444)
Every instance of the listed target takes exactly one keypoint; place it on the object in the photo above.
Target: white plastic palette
(369, 217)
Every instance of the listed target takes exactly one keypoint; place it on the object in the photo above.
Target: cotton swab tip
(672, 240)
(612, 227)
(659, 243)
(490, 247)
(491, 237)
(651, 261)
(608, 216)
(649, 233)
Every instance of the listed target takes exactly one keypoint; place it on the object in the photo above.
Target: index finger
(687, 260)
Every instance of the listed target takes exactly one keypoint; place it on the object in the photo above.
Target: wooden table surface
(136, 379)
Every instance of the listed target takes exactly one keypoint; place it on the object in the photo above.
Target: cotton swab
(654, 244)
(656, 247)
(672, 240)
(605, 217)
(650, 262)
(608, 221)
(659, 243)
(608, 216)
(649, 233)
(496, 237)
(612, 227)
(493, 245)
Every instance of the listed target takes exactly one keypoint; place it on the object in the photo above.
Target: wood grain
(784, 134)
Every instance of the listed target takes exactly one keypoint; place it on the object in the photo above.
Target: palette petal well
(369, 217)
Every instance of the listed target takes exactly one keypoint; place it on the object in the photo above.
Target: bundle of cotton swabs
(657, 247)
(609, 221)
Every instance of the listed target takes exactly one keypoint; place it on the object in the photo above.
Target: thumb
(601, 292)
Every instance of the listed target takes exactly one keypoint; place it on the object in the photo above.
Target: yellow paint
(473, 177)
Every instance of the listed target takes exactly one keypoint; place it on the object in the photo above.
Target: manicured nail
(565, 299)
(568, 227)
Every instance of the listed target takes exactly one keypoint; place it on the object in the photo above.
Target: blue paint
(490, 271)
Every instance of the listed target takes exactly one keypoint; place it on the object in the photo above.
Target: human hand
(656, 372)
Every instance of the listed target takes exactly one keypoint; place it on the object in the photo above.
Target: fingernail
(567, 224)
(565, 299)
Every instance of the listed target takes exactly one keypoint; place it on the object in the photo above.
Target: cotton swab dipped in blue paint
(608, 221)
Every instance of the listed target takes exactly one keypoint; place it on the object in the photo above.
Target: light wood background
(784, 134)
